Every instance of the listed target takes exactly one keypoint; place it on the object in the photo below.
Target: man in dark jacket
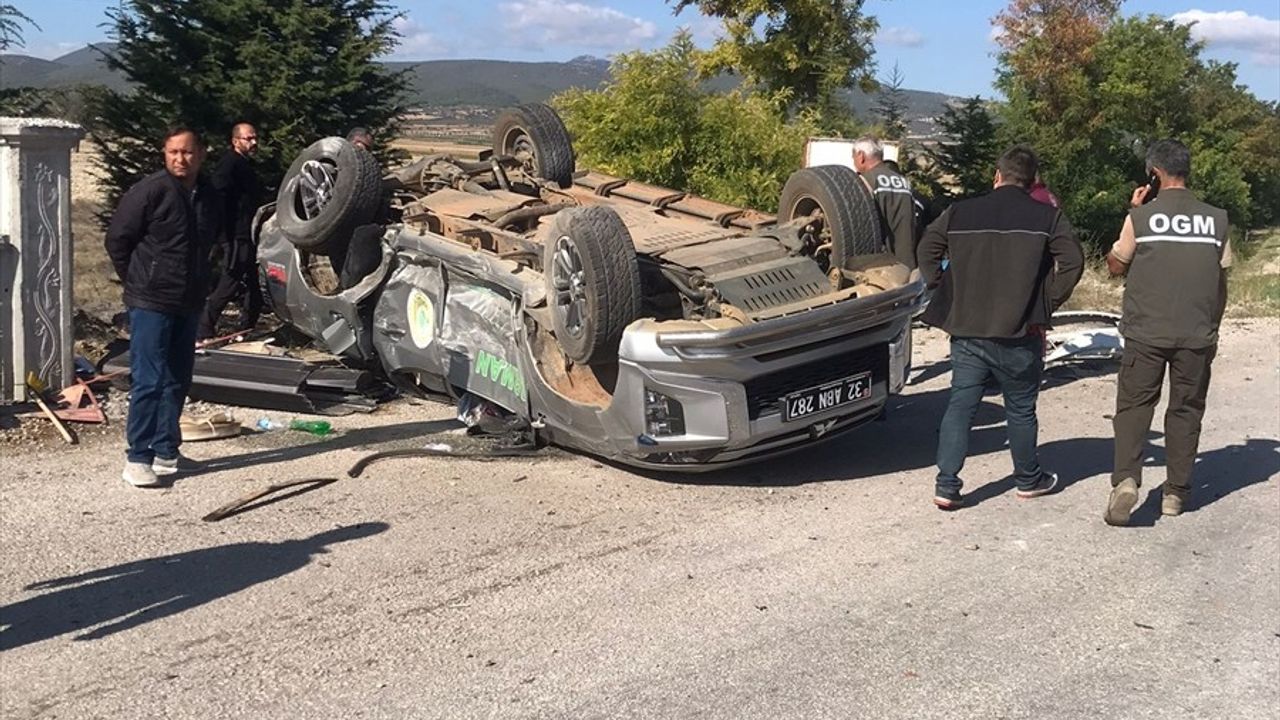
(892, 193)
(1012, 262)
(1174, 250)
(241, 192)
(159, 242)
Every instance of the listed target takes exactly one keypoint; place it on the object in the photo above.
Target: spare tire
(331, 188)
(850, 220)
(593, 282)
(535, 135)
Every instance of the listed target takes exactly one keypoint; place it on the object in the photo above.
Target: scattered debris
(278, 383)
(524, 450)
(319, 428)
(37, 390)
(1083, 335)
(483, 416)
(244, 502)
(212, 427)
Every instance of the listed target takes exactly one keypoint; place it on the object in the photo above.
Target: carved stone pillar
(35, 253)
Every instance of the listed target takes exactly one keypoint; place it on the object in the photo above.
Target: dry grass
(429, 146)
(1254, 282)
(1096, 290)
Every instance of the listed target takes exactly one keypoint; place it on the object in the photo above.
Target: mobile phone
(1153, 188)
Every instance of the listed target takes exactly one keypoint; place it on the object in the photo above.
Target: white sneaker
(172, 466)
(140, 475)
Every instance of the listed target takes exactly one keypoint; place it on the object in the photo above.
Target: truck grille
(765, 393)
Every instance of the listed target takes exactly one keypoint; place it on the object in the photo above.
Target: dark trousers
(239, 284)
(1017, 366)
(1137, 394)
(161, 357)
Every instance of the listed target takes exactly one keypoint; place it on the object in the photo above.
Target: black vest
(1175, 292)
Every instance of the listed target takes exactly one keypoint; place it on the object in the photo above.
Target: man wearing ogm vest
(1174, 250)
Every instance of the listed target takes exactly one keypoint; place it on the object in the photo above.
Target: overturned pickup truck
(633, 322)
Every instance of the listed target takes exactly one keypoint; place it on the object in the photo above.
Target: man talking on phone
(1174, 250)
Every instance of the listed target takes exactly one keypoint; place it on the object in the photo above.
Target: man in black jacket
(235, 179)
(159, 242)
(1011, 262)
(892, 193)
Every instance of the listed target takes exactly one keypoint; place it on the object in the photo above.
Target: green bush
(656, 122)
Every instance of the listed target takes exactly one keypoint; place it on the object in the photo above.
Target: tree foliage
(298, 70)
(12, 21)
(1118, 84)
(811, 49)
(655, 121)
(14, 101)
(891, 106)
(966, 160)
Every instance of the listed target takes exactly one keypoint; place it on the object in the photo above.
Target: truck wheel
(847, 212)
(593, 282)
(331, 188)
(536, 136)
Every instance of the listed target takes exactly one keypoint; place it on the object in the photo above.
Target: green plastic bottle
(315, 427)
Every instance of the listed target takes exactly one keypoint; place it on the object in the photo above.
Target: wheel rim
(519, 145)
(569, 280)
(316, 180)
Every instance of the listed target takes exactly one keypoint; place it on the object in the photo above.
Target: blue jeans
(1017, 365)
(162, 355)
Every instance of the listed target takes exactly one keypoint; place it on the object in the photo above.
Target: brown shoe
(1171, 504)
(1120, 505)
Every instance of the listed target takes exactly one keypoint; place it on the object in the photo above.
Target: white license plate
(825, 397)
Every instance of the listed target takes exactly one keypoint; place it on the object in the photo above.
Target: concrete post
(35, 253)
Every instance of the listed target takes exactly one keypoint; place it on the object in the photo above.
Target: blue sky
(942, 45)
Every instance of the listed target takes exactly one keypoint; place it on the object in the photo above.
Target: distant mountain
(498, 83)
(82, 67)
(482, 83)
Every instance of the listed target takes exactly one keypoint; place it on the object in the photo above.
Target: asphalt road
(821, 586)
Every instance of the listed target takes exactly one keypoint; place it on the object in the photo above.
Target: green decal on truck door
(497, 370)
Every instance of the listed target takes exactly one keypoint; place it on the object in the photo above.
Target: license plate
(825, 397)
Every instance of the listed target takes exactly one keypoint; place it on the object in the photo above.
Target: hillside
(438, 83)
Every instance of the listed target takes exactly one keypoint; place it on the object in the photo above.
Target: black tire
(589, 314)
(536, 134)
(846, 204)
(355, 191)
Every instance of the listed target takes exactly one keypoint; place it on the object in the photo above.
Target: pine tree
(966, 160)
(297, 70)
(891, 106)
(11, 21)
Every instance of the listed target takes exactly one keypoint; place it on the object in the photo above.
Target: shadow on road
(1218, 473)
(126, 596)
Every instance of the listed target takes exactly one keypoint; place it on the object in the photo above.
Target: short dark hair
(1171, 156)
(237, 124)
(1018, 165)
(358, 132)
(177, 130)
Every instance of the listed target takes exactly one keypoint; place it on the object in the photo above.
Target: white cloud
(706, 31)
(1235, 29)
(905, 37)
(416, 42)
(539, 24)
